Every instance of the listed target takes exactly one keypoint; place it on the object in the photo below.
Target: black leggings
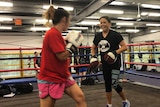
(107, 74)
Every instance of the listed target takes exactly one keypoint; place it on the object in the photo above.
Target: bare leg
(47, 102)
(109, 97)
(76, 93)
(122, 95)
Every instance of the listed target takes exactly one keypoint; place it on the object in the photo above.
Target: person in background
(82, 70)
(37, 62)
(55, 78)
(111, 44)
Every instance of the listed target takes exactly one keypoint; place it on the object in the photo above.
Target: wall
(142, 38)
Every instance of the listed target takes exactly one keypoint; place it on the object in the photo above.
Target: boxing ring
(26, 74)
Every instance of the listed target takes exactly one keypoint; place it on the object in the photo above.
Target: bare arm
(122, 48)
(93, 50)
(63, 55)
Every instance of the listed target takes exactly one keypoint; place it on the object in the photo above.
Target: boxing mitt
(110, 57)
(94, 62)
(74, 39)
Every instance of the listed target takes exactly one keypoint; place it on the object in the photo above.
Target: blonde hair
(55, 15)
(49, 15)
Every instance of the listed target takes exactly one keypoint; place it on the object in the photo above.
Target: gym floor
(139, 96)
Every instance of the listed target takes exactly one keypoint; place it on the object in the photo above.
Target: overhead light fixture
(125, 18)
(132, 30)
(6, 4)
(5, 27)
(154, 31)
(117, 3)
(123, 23)
(65, 7)
(152, 24)
(93, 17)
(150, 14)
(151, 6)
(42, 20)
(5, 19)
(40, 28)
(88, 23)
(78, 28)
(111, 11)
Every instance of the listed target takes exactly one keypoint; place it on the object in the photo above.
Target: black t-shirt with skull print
(109, 43)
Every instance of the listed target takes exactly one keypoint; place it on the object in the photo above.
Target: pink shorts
(53, 89)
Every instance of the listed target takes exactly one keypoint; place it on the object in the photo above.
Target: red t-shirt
(52, 69)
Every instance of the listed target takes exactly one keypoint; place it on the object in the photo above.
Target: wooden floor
(139, 96)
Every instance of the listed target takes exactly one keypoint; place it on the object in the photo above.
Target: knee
(80, 98)
(118, 88)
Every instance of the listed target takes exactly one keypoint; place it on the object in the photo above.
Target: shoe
(108, 105)
(126, 104)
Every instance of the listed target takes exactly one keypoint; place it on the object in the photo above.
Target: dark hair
(56, 14)
(106, 17)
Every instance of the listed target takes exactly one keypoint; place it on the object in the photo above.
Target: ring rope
(136, 63)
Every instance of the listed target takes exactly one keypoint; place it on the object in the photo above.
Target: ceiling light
(111, 11)
(5, 19)
(5, 27)
(125, 18)
(79, 28)
(154, 14)
(152, 24)
(42, 20)
(150, 14)
(132, 30)
(150, 6)
(93, 17)
(117, 3)
(39, 28)
(122, 23)
(65, 7)
(88, 23)
(6, 4)
(154, 31)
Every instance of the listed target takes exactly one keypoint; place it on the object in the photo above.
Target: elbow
(125, 48)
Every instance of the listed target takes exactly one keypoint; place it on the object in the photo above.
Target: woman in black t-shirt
(110, 41)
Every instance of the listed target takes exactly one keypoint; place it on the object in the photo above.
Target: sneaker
(108, 105)
(126, 104)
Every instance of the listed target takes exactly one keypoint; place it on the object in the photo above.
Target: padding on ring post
(115, 77)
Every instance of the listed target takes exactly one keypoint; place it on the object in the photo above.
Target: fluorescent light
(42, 20)
(152, 24)
(6, 4)
(122, 23)
(132, 30)
(117, 3)
(150, 14)
(144, 13)
(39, 28)
(5, 27)
(150, 6)
(5, 19)
(111, 11)
(65, 7)
(154, 14)
(88, 23)
(154, 31)
(125, 18)
(79, 28)
(93, 17)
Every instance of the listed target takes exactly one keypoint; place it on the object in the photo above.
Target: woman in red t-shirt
(54, 78)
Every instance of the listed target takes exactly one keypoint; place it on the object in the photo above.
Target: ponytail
(55, 15)
(49, 15)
